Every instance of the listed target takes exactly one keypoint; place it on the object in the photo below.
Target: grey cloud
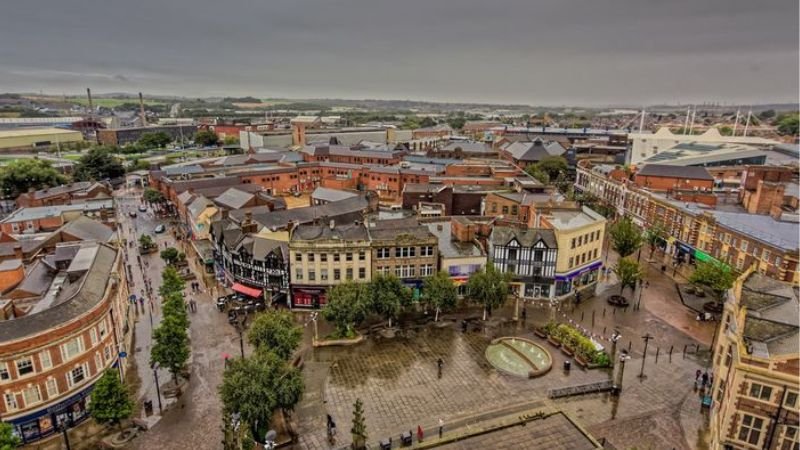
(543, 52)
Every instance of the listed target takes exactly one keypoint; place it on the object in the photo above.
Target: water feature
(519, 356)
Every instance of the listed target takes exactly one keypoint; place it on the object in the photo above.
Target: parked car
(132, 214)
(160, 229)
(142, 208)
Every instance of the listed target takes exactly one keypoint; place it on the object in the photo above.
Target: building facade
(322, 256)
(756, 366)
(51, 357)
(405, 249)
(579, 236)
(530, 255)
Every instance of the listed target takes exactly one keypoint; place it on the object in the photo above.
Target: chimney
(91, 105)
(141, 110)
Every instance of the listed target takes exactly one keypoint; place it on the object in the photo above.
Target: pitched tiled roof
(664, 170)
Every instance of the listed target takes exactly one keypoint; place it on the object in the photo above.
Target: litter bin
(567, 365)
(148, 407)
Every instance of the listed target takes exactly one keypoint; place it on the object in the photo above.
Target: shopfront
(568, 283)
(309, 297)
(47, 421)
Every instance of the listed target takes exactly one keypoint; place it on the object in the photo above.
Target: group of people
(703, 379)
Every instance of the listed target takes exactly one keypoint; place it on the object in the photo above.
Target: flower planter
(553, 341)
(567, 351)
(581, 362)
(541, 333)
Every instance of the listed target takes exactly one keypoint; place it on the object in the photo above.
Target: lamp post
(158, 389)
(622, 358)
(615, 336)
(65, 434)
(646, 339)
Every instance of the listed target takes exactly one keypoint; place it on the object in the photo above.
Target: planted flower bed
(575, 343)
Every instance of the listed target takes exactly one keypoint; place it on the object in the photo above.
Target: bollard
(657, 350)
(696, 348)
(592, 318)
(604, 312)
(629, 346)
(614, 312)
(670, 353)
(684, 351)
(582, 316)
(604, 331)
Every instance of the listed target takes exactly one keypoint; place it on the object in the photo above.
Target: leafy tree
(31, 173)
(629, 273)
(276, 331)
(410, 123)
(111, 402)
(230, 140)
(8, 440)
(171, 282)
(489, 288)
(725, 130)
(553, 166)
(439, 293)
(170, 255)
(388, 296)
(347, 307)
(257, 386)
(145, 241)
(427, 122)
(171, 346)
(206, 138)
(98, 164)
(153, 196)
(536, 172)
(175, 307)
(766, 114)
(626, 237)
(788, 124)
(654, 234)
(456, 122)
(715, 277)
(359, 429)
(154, 140)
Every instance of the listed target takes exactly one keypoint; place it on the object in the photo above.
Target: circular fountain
(519, 356)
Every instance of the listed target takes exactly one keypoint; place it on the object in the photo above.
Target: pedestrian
(697, 374)
(441, 427)
(705, 379)
(194, 306)
(141, 303)
(420, 434)
(647, 284)
(524, 313)
(439, 364)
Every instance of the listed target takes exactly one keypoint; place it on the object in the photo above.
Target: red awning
(246, 290)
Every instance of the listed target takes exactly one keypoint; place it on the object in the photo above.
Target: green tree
(439, 293)
(276, 331)
(170, 255)
(19, 176)
(153, 196)
(456, 122)
(230, 140)
(766, 114)
(174, 306)
(489, 288)
(98, 164)
(171, 282)
(788, 124)
(654, 235)
(347, 307)
(427, 122)
(171, 346)
(714, 276)
(626, 237)
(206, 138)
(629, 273)
(111, 402)
(158, 139)
(536, 172)
(8, 440)
(359, 428)
(388, 296)
(257, 386)
(145, 241)
(553, 166)
(725, 130)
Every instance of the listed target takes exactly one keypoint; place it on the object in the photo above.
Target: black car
(132, 214)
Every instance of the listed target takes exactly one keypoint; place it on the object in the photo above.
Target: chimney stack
(141, 110)
(91, 105)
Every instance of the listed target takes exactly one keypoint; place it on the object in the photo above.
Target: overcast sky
(540, 52)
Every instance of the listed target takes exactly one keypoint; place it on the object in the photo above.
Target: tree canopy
(206, 138)
(98, 164)
(111, 402)
(19, 176)
(146, 241)
(439, 293)
(171, 346)
(788, 124)
(626, 237)
(552, 166)
(347, 307)
(153, 196)
(359, 427)
(8, 440)
(158, 139)
(388, 296)
(171, 282)
(275, 331)
(256, 386)
(629, 273)
(715, 277)
(489, 288)
(654, 234)
(170, 255)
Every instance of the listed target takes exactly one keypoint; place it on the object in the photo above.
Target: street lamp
(620, 373)
(158, 389)
(63, 428)
(615, 336)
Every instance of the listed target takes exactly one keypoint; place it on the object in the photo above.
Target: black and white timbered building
(530, 255)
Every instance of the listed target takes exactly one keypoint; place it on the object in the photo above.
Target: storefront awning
(246, 290)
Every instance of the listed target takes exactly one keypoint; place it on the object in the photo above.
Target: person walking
(439, 364)
(441, 427)
(420, 434)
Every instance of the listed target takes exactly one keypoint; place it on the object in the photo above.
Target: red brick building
(664, 178)
(64, 195)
